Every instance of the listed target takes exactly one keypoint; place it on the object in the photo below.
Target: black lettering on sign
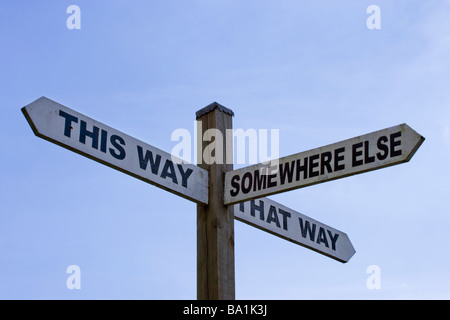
(325, 159)
(337, 158)
(68, 122)
(169, 171)
(367, 157)
(260, 180)
(271, 183)
(184, 175)
(356, 153)
(260, 208)
(322, 237)
(143, 161)
(103, 140)
(235, 184)
(96, 135)
(382, 147)
(247, 176)
(286, 171)
(305, 229)
(285, 215)
(117, 142)
(313, 165)
(394, 143)
(84, 132)
(302, 168)
(333, 239)
(272, 216)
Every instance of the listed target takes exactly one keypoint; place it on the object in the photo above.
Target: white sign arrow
(368, 152)
(90, 138)
(293, 226)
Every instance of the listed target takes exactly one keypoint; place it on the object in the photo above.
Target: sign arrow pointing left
(74, 131)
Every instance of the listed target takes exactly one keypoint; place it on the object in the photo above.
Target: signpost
(273, 217)
(220, 191)
(368, 152)
(215, 222)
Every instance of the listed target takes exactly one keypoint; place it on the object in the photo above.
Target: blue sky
(311, 69)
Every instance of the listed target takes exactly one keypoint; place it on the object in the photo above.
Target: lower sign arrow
(273, 217)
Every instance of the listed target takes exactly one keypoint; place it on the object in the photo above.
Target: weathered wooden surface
(215, 221)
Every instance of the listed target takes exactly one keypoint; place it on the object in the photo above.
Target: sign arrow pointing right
(281, 221)
(364, 153)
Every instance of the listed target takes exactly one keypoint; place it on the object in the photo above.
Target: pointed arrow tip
(417, 140)
(27, 110)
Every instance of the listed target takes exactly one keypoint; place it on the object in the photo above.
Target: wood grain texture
(215, 221)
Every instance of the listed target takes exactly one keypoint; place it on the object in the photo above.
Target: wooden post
(215, 221)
